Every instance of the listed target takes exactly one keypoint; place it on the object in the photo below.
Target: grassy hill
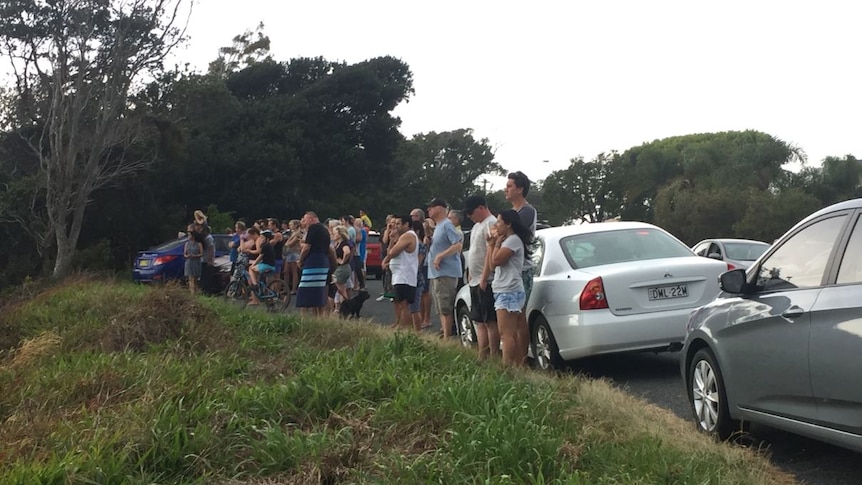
(106, 382)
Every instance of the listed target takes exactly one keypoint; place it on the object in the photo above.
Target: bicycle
(273, 294)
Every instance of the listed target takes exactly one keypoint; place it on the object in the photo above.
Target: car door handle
(793, 312)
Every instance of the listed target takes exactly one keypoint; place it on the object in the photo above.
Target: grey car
(782, 344)
(738, 252)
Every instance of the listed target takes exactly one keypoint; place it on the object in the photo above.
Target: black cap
(437, 202)
(472, 203)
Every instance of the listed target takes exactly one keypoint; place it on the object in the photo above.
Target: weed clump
(44, 344)
(162, 315)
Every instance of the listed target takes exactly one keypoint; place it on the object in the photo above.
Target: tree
(448, 164)
(695, 213)
(768, 216)
(75, 63)
(740, 159)
(247, 49)
(584, 191)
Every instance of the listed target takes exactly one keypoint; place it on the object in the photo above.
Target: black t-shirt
(318, 238)
(268, 253)
(339, 251)
(279, 247)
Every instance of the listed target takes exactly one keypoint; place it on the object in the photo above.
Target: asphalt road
(656, 378)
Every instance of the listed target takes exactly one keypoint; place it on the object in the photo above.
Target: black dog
(351, 308)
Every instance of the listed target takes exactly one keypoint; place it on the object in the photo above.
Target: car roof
(563, 231)
(847, 204)
(733, 240)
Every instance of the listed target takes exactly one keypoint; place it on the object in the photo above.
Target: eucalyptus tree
(75, 63)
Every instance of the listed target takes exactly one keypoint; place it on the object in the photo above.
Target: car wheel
(546, 354)
(465, 327)
(707, 396)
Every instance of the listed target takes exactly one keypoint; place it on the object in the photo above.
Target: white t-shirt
(507, 278)
(479, 249)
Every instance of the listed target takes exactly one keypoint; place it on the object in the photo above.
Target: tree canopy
(256, 137)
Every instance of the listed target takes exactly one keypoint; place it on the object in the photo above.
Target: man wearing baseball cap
(445, 268)
(480, 274)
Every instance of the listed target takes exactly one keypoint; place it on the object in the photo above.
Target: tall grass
(114, 383)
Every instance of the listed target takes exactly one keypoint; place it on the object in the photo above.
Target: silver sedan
(738, 252)
(782, 345)
(609, 287)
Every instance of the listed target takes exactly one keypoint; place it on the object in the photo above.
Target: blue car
(166, 262)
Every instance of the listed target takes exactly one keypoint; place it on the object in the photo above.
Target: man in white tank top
(403, 261)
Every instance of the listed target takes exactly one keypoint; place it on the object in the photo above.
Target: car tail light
(730, 267)
(164, 259)
(593, 295)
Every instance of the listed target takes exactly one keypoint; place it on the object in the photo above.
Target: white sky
(547, 80)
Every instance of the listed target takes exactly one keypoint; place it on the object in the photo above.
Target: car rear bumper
(599, 332)
(148, 276)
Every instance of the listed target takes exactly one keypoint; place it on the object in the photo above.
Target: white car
(608, 287)
(740, 253)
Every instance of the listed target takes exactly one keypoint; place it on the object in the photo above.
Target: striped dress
(313, 282)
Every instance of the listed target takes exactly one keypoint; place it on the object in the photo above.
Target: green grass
(108, 382)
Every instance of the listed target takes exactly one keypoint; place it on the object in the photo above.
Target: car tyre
(707, 396)
(466, 330)
(546, 354)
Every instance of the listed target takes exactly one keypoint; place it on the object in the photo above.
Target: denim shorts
(511, 301)
(291, 257)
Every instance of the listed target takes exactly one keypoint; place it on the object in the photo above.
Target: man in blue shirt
(361, 249)
(445, 268)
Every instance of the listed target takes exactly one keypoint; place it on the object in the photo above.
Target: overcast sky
(554, 80)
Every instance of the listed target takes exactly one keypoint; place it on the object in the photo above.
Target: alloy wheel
(543, 347)
(705, 396)
(468, 338)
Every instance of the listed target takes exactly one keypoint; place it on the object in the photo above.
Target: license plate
(668, 292)
(144, 263)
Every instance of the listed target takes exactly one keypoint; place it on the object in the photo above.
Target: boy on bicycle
(265, 262)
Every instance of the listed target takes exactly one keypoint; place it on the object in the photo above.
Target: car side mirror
(714, 256)
(733, 281)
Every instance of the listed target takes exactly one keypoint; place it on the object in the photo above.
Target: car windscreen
(744, 251)
(609, 247)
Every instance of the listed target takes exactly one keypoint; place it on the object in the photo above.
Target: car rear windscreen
(609, 247)
(744, 251)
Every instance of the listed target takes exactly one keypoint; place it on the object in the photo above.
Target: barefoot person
(444, 268)
(509, 247)
(315, 259)
(517, 188)
(481, 274)
(403, 261)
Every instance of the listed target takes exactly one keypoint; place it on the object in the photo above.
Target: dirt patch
(162, 315)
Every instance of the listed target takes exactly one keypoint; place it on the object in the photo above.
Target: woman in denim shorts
(509, 246)
(292, 250)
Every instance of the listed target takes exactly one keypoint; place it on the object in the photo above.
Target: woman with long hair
(343, 257)
(292, 249)
(509, 246)
(193, 251)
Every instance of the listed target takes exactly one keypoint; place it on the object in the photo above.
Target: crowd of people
(324, 264)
